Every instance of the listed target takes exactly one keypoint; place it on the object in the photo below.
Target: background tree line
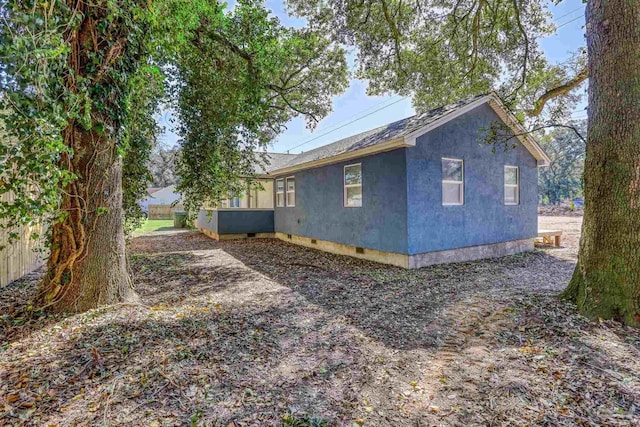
(562, 179)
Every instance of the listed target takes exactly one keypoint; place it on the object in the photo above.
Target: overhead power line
(402, 99)
(569, 22)
(569, 13)
(348, 123)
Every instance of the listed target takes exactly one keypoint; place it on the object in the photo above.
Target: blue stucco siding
(208, 219)
(484, 218)
(245, 221)
(236, 221)
(381, 222)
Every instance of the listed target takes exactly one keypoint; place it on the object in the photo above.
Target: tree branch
(508, 135)
(235, 49)
(563, 89)
(278, 90)
(396, 33)
(526, 46)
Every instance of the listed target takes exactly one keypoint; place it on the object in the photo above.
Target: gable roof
(403, 133)
(164, 195)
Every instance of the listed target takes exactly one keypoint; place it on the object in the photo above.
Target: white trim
(280, 192)
(345, 186)
(350, 155)
(410, 139)
(286, 191)
(516, 186)
(448, 181)
(505, 115)
(524, 135)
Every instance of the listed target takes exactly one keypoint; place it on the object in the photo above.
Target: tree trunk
(606, 282)
(87, 266)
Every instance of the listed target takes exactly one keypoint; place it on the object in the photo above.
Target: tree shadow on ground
(169, 278)
(248, 331)
(398, 307)
(163, 279)
(181, 240)
(207, 359)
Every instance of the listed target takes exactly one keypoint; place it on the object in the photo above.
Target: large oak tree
(441, 50)
(80, 82)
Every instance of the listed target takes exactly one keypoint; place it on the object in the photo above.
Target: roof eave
(523, 135)
(505, 115)
(382, 147)
(411, 138)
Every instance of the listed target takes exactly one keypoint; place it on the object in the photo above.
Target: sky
(354, 111)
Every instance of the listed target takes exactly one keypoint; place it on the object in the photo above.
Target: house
(160, 196)
(161, 202)
(416, 192)
(144, 203)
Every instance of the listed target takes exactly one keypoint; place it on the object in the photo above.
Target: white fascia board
(505, 115)
(410, 139)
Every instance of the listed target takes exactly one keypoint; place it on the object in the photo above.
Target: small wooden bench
(550, 237)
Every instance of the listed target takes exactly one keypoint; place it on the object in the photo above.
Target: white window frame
(516, 186)
(278, 204)
(448, 181)
(252, 198)
(286, 190)
(232, 202)
(345, 186)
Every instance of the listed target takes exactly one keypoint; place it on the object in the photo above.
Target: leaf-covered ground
(250, 332)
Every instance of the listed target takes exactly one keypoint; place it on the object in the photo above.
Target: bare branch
(563, 89)
(507, 135)
(281, 92)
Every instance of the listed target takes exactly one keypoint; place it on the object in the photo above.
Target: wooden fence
(163, 211)
(20, 257)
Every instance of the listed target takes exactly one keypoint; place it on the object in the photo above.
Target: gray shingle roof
(375, 136)
(275, 160)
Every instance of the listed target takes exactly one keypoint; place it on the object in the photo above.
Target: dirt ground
(265, 333)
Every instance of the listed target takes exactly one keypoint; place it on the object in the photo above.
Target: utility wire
(348, 123)
(568, 13)
(569, 22)
(402, 99)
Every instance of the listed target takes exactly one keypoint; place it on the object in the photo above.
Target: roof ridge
(397, 132)
(417, 115)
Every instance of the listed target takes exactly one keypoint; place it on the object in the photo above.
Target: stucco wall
(236, 221)
(208, 219)
(484, 218)
(381, 222)
(245, 221)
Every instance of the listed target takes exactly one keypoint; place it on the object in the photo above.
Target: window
(291, 191)
(280, 192)
(511, 185)
(234, 202)
(253, 198)
(224, 203)
(353, 186)
(452, 182)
